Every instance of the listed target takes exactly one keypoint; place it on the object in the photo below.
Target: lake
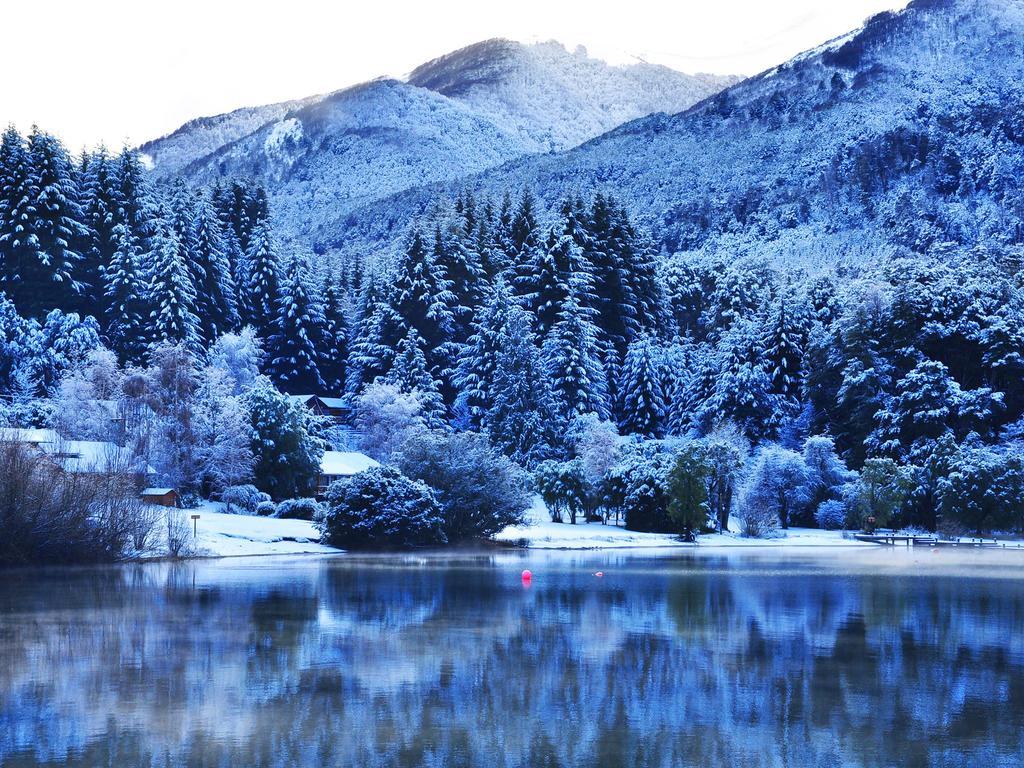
(870, 657)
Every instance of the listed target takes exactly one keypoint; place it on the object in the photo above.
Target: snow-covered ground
(230, 535)
(224, 535)
(540, 533)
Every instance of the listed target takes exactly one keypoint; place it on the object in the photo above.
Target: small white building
(339, 465)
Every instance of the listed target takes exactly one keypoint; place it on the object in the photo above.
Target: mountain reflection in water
(704, 659)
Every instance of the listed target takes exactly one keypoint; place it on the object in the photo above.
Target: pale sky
(124, 71)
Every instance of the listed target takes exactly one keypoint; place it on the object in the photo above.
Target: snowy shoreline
(232, 535)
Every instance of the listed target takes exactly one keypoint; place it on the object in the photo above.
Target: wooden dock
(931, 540)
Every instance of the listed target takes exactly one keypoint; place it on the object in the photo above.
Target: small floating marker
(599, 574)
(527, 577)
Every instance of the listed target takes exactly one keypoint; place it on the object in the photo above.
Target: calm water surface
(875, 658)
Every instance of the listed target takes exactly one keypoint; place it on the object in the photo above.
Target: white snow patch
(223, 535)
(539, 532)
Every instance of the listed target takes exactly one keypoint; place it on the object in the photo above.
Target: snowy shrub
(189, 500)
(266, 508)
(179, 534)
(381, 508)
(244, 497)
(481, 492)
(831, 515)
(826, 474)
(298, 509)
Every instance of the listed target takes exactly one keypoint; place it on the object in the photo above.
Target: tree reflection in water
(696, 659)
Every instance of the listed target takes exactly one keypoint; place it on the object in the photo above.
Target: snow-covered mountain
(551, 99)
(323, 157)
(906, 133)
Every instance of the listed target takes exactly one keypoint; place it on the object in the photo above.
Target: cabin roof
(345, 463)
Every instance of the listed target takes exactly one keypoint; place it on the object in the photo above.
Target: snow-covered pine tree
(641, 399)
(378, 332)
(456, 258)
(52, 226)
(335, 349)
(783, 341)
(293, 350)
(479, 358)
(172, 297)
(421, 296)
(124, 315)
(261, 292)
(411, 375)
(15, 207)
(521, 418)
(100, 206)
(572, 361)
(216, 299)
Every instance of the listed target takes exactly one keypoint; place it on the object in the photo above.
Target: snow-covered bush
(298, 509)
(266, 508)
(381, 508)
(480, 491)
(831, 515)
(244, 497)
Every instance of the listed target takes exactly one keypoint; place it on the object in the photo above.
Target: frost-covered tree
(688, 479)
(386, 418)
(223, 432)
(827, 475)
(776, 486)
(286, 443)
(293, 350)
(572, 362)
(984, 490)
(641, 399)
(238, 356)
(478, 360)
(172, 296)
(521, 418)
(411, 375)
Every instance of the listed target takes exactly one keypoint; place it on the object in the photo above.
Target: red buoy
(527, 576)
(599, 574)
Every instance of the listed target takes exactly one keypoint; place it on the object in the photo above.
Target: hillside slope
(469, 111)
(907, 133)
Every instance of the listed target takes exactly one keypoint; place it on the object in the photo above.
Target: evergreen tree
(262, 288)
(411, 376)
(125, 298)
(50, 226)
(216, 302)
(642, 401)
(100, 207)
(334, 354)
(172, 297)
(520, 420)
(572, 361)
(299, 334)
(479, 358)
